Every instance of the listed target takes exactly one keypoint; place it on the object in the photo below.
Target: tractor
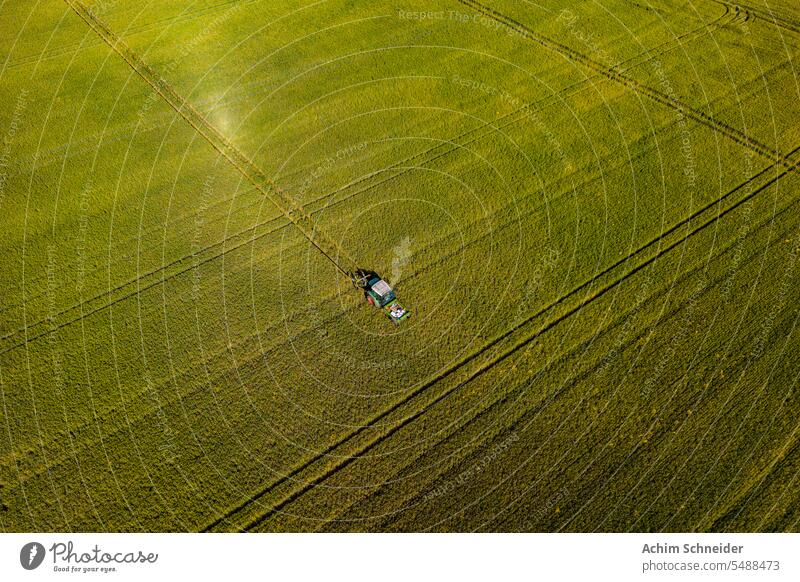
(379, 293)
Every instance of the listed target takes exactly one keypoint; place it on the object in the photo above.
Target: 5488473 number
(756, 565)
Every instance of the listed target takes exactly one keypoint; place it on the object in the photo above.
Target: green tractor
(379, 294)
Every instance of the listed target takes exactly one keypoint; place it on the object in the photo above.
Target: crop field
(592, 210)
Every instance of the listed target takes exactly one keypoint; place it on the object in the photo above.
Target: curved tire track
(770, 17)
(641, 89)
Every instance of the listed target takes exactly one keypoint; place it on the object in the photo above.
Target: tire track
(768, 16)
(481, 369)
(640, 89)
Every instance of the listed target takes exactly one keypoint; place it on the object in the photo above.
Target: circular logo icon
(31, 555)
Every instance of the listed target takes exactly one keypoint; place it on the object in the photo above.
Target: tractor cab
(380, 294)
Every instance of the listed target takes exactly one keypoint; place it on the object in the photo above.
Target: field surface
(591, 208)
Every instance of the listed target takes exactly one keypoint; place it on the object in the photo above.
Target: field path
(302, 219)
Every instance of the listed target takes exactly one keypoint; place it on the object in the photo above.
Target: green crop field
(592, 210)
